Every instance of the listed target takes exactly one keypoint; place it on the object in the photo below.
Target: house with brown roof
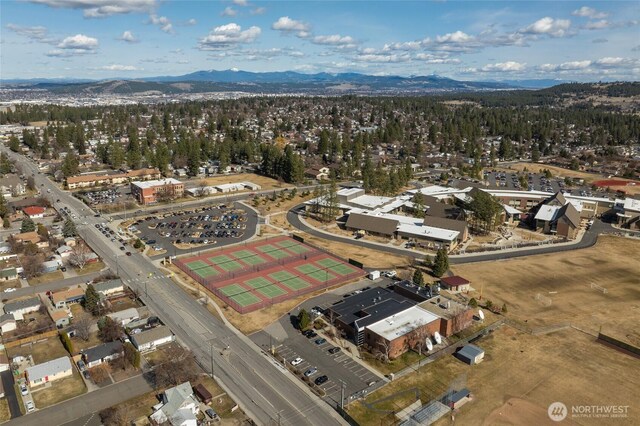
(34, 212)
(455, 283)
(317, 173)
(31, 237)
(61, 299)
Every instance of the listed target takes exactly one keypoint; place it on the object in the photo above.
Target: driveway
(10, 394)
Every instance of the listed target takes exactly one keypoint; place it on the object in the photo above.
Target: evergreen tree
(27, 225)
(70, 165)
(304, 319)
(92, 300)
(66, 342)
(14, 143)
(418, 278)
(440, 263)
(69, 229)
(418, 204)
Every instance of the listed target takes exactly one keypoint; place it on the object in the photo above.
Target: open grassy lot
(9, 284)
(5, 413)
(43, 351)
(555, 171)
(221, 402)
(263, 181)
(80, 344)
(47, 278)
(529, 371)
(59, 391)
(393, 366)
(565, 279)
(90, 268)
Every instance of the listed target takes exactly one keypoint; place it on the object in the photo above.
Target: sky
(465, 40)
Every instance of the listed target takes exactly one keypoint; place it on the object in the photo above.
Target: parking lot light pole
(342, 387)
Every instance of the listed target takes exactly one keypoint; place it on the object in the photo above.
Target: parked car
(334, 350)
(297, 361)
(9, 290)
(320, 341)
(81, 365)
(30, 406)
(310, 334)
(310, 372)
(212, 414)
(86, 374)
(24, 390)
(320, 380)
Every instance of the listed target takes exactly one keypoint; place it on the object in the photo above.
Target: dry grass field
(556, 171)
(566, 278)
(520, 376)
(263, 181)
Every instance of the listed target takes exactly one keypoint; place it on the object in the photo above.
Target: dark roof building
(455, 283)
(101, 353)
(372, 224)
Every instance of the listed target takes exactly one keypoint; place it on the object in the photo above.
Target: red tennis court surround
(253, 275)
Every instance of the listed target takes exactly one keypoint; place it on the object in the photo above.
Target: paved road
(86, 404)
(589, 239)
(266, 393)
(54, 285)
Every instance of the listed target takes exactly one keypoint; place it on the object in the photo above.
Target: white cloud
(456, 37)
(287, 24)
(407, 45)
(117, 67)
(549, 26)
(616, 62)
(588, 12)
(597, 25)
(102, 8)
(227, 36)
(191, 22)
(565, 66)
(436, 60)
(336, 40)
(382, 58)
(229, 11)
(128, 37)
(79, 42)
(241, 2)
(37, 33)
(258, 11)
(161, 21)
(509, 66)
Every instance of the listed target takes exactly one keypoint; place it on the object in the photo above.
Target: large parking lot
(534, 182)
(198, 228)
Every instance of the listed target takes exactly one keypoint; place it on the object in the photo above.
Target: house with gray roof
(21, 307)
(148, 340)
(179, 407)
(102, 353)
(107, 288)
(49, 371)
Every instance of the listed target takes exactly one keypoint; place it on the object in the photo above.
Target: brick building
(149, 192)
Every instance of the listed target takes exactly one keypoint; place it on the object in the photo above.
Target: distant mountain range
(272, 82)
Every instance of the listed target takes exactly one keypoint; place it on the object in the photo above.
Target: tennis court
(260, 273)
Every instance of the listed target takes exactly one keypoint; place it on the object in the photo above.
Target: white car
(30, 406)
(9, 290)
(297, 361)
(24, 390)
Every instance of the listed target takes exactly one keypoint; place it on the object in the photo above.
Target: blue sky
(472, 40)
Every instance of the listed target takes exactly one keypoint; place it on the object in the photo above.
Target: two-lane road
(265, 392)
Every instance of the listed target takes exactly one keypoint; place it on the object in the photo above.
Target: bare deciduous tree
(100, 373)
(83, 326)
(32, 265)
(178, 366)
(382, 349)
(80, 255)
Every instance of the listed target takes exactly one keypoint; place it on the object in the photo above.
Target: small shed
(455, 283)
(460, 398)
(203, 393)
(471, 354)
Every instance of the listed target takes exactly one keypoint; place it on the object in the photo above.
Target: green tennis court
(197, 264)
(274, 252)
(265, 287)
(245, 299)
(230, 266)
(241, 254)
(282, 275)
(232, 290)
(286, 243)
(254, 260)
(207, 271)
(298, 249)
(216, 260)
(322, 276)
(335, 266)
(308, 269)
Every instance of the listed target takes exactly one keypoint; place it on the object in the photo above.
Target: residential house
(60, 317)
(107, 288)
(22, 307)
(125, 316)
(12, 186)
(455, 283)
(70, 241)
(178, 407)
(317, 173)
(51, 266)
(34, 212)
(49, 371)
(8, 274)
(31, 237)
(61, 299)
(148, 340)
(64, 251)
(103, 353)
(5, 364)
(7, 323)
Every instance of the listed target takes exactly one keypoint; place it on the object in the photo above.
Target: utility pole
(342, 387)
(211, 354)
